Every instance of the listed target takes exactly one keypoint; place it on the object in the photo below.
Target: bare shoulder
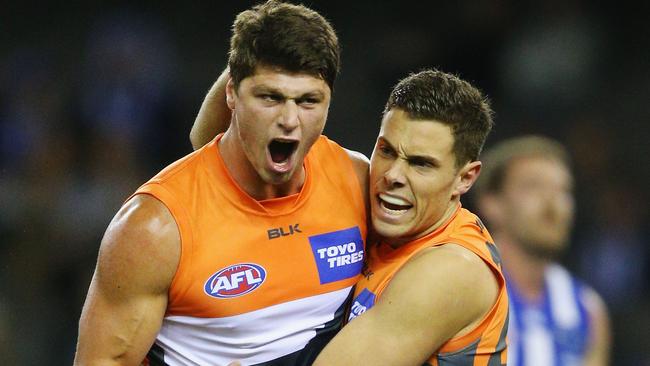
(360, 162)
(597, 309)
(141, 246)
(599, 349)
(361, 165)
(127, 297)
(452, 257)
(595, 304)
(462, 277)
(358, 158)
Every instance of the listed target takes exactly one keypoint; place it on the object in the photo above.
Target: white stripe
(537, 341)
(254, 337)
(564, 307)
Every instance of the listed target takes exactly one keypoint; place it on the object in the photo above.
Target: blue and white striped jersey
(554, 331)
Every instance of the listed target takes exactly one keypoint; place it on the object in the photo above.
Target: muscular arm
(436, 296)
(600, 341)
(127, 297)
(214, 115)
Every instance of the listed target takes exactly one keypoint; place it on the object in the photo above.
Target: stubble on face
(540, 206)
(413, 174)
(278, 115)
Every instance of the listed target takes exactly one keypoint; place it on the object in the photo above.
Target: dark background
(96, 98)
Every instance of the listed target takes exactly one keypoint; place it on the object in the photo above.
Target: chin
(388, 232)
(546, 250)
(275, 178)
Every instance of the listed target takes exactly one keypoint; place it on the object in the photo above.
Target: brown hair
(433, 94)
(291, 37)
(497, 158)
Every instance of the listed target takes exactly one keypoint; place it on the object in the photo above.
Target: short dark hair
(436, 95)
(497, 159)
(291, 37)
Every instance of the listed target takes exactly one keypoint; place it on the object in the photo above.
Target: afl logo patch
(235, 280)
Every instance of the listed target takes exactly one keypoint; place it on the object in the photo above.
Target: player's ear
(231, 94)
(466, 177)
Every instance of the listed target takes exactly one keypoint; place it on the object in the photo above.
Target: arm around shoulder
(127, 297)
(441, 294)
(214, 115)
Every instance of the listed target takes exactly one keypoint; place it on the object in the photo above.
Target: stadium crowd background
(95, 99)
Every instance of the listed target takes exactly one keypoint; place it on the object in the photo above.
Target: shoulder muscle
(127, 297)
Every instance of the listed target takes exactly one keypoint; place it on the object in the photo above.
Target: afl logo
(236, 280)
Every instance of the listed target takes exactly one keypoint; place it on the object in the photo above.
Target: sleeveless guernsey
(264, 282)
(554, 331)
(485, 344)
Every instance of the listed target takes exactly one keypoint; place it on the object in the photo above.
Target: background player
(526, 195)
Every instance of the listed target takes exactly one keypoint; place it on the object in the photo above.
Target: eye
(308, 101)
(385, 150)
(421, 163)
(270, 97)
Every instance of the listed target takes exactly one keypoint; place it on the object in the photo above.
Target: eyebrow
(411, 158)
(272, 90)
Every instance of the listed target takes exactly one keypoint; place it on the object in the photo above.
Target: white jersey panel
(252, 338)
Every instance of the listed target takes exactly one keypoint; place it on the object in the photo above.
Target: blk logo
(280, 232)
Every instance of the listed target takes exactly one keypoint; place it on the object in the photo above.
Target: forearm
(214, 115)
(117, 335)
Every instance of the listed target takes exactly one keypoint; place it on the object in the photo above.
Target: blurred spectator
(128, 71)
(36, 166)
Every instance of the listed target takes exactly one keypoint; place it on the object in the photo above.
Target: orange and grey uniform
(485, 345)
(263, 282)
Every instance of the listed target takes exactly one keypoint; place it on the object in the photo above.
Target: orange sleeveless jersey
(484, 345)
(260, 282)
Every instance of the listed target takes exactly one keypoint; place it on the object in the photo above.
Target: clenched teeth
(394, 205)
(393, 200)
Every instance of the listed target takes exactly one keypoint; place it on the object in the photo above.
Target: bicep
(429, 301)
(127, 297)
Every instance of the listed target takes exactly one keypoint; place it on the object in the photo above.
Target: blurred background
(96, 98)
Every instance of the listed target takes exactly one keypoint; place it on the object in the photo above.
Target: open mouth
(281, 150)
(393, 204)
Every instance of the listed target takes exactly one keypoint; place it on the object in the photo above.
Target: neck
(247, 178)
(524, 270)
